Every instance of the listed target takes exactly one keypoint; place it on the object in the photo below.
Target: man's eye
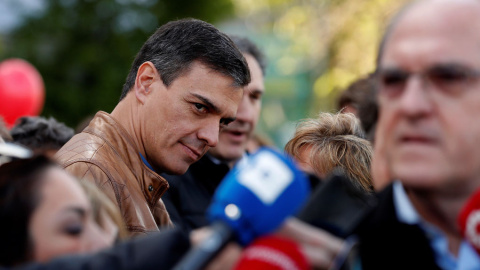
(200, 107)
(394, 79)
(392, 82)
(448, 76)
(224, 122)
(255, 96)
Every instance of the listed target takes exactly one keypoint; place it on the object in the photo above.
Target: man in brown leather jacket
(191, 193)
(185, 84)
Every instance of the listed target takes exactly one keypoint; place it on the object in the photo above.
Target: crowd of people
(132, 189)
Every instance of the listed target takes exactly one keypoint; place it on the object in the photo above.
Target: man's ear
(147, 74)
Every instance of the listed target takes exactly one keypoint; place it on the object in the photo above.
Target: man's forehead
(256, 73)
(211, 87)
(196, 65)
(450, 27)
(446, 10)
(219, 100)
(254, 89)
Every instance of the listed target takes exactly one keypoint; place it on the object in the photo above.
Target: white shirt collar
(404, 209)
(406, 213)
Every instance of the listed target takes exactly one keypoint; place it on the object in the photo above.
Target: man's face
(182, 121)
(430, 122)
(233, 139)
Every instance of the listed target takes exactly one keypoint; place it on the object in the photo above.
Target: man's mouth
(236, 135)
(417, 139)
(192, 152)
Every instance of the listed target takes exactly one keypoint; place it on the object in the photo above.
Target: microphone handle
(198, 257)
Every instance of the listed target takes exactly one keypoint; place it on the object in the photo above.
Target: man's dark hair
(20, 182)
(246, 46)
(38, 133)
(354, 93)
(362, 94)
(368, 107)
(175, 45)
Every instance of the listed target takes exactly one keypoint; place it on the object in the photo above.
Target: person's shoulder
(82, 146)
(88, 170)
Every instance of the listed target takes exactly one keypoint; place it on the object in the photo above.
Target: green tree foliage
(84, 48)
(316, 48)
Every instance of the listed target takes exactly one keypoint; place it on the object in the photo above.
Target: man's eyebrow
(451, 65)
(257, 91)
(389, 69)
(447, 64)
(207, 102)
(213, 107)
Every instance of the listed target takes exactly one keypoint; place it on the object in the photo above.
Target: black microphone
(337, 205)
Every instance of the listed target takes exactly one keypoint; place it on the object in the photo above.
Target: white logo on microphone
(267, 177)
(473, 221)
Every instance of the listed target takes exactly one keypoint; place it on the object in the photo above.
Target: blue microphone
(254, 199)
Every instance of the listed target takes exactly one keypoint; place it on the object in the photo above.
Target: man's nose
(209, 131)
(416, 99)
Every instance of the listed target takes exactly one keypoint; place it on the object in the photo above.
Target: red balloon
(22, 92)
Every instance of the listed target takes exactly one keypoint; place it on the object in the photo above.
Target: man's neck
(440, 211)
(125, 114)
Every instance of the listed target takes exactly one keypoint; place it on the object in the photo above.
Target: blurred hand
(200, 234)
(226, 259)
(318, 246)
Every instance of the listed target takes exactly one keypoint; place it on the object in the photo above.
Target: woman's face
(304, 161)
(62, 222)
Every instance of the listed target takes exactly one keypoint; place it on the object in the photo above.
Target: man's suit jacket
(386, 243)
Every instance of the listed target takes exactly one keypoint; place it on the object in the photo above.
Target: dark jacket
(190, 194)
(386, 243)
(105, 154)
(155, 251)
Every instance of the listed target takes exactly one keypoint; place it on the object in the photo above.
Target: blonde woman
(333, 140)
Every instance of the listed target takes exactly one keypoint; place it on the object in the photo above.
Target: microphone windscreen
(256, 197)
(469, 221)
(273, 253)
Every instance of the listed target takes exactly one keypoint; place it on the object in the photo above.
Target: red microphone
(469, 221)
(273, 253)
